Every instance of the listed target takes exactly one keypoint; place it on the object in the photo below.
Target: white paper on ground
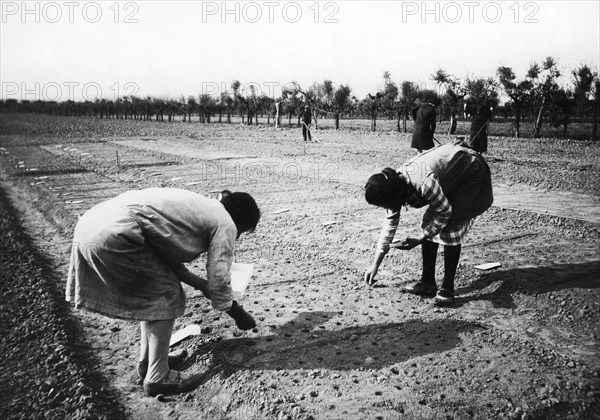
(488, 266)
(240, 277)
(183, 333)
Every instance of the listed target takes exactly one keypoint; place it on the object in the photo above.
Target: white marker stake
(193, 329)
(488, 266)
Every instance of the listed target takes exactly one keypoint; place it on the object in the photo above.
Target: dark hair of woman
(242, 208)
(386, 189)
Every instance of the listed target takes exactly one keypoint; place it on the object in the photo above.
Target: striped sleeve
(388, 231)
(432, 192)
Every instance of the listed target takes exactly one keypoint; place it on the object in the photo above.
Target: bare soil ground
(522, 341)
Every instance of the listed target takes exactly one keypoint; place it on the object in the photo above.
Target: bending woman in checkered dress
(455, 182)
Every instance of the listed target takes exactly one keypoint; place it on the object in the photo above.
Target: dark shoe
(175, 382)
(421, 289)
(176, 358)
(443, 298)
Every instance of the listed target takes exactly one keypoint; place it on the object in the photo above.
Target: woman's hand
(370, 274)
(243, 319)
(189, 278)
(408, 243)
(202, 285)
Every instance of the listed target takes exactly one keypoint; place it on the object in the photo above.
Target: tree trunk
(277, 115)
(518, 122)
(595, 121)
(539, 119)
(453, 123)
(337, 120)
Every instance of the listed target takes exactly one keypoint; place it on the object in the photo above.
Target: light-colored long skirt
(114, 272)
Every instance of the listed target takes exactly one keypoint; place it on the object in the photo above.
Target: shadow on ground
(530, 281)
(303, 343)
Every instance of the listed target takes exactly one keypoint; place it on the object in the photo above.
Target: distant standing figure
(306, 122)
(424, 116)
(478, 137)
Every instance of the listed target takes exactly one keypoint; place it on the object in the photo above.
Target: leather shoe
(443, 298)
(175, 382)
(421, 289)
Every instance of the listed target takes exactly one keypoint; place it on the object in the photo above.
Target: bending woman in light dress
(127, 262)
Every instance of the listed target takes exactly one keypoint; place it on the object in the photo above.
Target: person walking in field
(455, 183)
(424, 116)
(478, 138)
(127, 262)
(306, 122)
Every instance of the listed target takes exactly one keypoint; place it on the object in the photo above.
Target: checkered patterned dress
(435, 227)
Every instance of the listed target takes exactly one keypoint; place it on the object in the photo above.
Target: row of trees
(536, 97)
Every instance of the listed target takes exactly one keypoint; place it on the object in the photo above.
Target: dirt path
(521, 343)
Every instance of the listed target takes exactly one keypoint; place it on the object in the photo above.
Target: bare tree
(291, 101)
(390, 94)
(265, 105)
(519, 92)
(409, 91)
(206, 105)
(453, 95)
(337, 100)
(585, 83)
(235, 87)
(373, 104)
(278, 111)
(545, 85)
(313, 98)
(561, 108)
(251, 103)
(596, 102)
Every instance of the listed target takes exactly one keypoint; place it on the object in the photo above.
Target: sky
(84, 49)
